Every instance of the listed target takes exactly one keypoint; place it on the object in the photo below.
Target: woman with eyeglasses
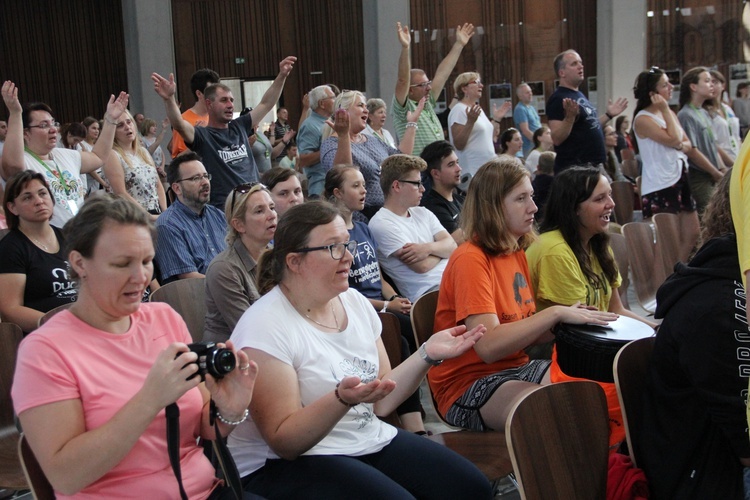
(324, 377)
(487, 282)
(572, 262)
(231, 278)
(351, 146)
(469, 129)
(662, 145)
(131, 172)
(33, 265)
(94, 415)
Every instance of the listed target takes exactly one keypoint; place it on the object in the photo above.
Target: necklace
(38, 243)
(335, 319)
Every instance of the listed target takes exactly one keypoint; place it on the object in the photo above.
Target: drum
(588, 351)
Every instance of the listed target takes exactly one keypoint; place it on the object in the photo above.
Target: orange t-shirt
(477, 283)
(196, 120)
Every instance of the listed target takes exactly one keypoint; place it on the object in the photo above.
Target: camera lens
(221, 363)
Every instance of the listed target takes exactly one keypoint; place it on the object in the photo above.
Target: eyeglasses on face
(246, 188)
(45, 125)
(423, 84)
(196, 178)
(337, 250)
(413, 183)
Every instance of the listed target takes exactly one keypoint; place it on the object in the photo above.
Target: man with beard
(190, 232)
(223, 144)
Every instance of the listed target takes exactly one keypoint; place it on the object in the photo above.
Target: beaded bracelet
(229, 422)
(336, 392)
(412, 124)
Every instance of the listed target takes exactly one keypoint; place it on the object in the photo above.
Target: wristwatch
(426, 358)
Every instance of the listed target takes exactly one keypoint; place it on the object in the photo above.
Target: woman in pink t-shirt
(91, 385)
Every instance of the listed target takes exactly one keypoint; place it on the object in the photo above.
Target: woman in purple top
(350, 146)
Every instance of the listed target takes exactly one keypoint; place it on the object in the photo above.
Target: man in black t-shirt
(223, 144)
(444, 200)
(572, 119)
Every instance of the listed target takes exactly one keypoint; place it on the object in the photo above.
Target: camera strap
(173, 444)
(226, 462)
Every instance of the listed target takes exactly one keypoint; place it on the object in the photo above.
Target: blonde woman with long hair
(130, 169)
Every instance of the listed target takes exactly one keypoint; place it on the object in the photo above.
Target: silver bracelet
(229, 422)
(106, 119)
(412, 124)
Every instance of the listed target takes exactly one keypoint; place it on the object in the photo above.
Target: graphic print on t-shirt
(62, 287)
(233, 154)
(366, 267)
(367, 372)
(589, 113)
(75, 191)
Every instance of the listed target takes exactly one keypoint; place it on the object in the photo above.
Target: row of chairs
(652, 252)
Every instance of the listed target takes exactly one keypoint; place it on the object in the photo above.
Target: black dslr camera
(212, 359)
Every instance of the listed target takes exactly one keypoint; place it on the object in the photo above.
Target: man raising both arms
(413, 84)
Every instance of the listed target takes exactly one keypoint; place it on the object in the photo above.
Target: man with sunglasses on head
(31, 141)
(223, 144)
(191, 231)
(412, 246)
(413, 84)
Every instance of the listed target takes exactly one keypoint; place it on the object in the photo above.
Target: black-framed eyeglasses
(196, 178)
(419, 184)
(46, 125)
(423, 84)
(337, 250)
(245, 188)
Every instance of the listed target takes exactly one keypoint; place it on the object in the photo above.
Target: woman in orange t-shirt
(487, 282)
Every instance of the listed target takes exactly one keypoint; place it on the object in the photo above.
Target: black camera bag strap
(173, 444)
(231, 474)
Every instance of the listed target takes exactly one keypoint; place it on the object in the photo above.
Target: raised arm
(341, 125)
(166, 90)
(444, 69)
(103, 147)
(613, 109)
(406, 145)
(271, 97)
(157, 142)
(462, 131)
(13, 149)
(404, 64)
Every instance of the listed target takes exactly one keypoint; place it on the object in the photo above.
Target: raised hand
(10, 97)
(617, 107)
(289, 135)
(285, 66)
(464, 33)
(413, 116)
(404, 35)
(116, 107)
(340, 123)
(165, 88)
(571, 109)
(498, 113)
(165, 123)
(473, 112)
(453, 342)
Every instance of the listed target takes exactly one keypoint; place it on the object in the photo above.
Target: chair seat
(487, 450)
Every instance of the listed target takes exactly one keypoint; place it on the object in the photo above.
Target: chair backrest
(622, 193)
(40, 486)
(51, 313)
(11, 473)
(668, 240)
(188, 298)
(391, 337)
(647, 269)
(620, 250)
(558, 439)
(423, 316)
(10, 338)
(631, 372)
